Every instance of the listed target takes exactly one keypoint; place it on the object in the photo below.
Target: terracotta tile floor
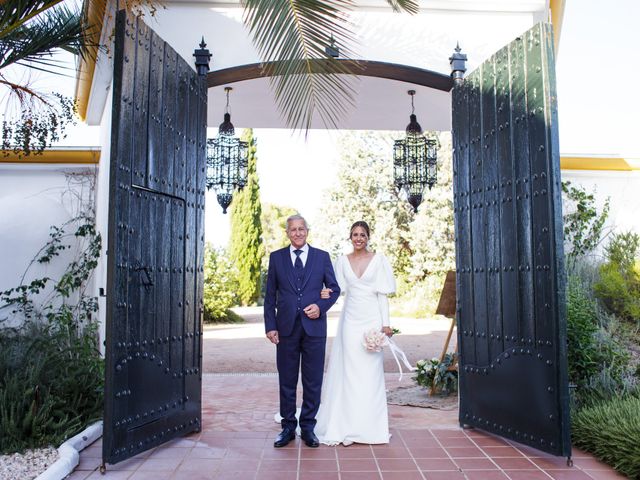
(237, 444)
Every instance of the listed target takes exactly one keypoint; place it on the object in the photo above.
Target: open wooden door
(509, 247)
(155, 245)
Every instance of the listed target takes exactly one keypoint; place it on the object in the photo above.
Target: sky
(597, 72)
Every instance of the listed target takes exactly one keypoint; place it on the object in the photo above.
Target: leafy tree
(274, 234)
(431, 233)
(220, 285)
(364, 191)
(245, 245)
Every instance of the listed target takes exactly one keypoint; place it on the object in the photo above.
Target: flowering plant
(373, 340)
(435, 375)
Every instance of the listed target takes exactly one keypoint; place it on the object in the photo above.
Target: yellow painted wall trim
(87, 66)
(557, 15)
(599, 163)
(79, 156)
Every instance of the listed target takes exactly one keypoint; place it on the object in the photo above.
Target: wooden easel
(447, 308)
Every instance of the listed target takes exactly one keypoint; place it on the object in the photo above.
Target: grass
(611, 431)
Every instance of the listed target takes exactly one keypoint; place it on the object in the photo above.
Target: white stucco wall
(623, 190)
(33, 198)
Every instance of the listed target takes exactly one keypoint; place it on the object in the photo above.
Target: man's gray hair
(297, 216)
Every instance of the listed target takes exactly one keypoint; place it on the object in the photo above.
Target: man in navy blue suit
(295, 320)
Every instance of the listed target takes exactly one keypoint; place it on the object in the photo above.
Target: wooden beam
(364, 68)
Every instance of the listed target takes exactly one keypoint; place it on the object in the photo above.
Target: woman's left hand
(387, 331)
(325, 293)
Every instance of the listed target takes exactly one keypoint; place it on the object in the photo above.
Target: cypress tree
(246, 249)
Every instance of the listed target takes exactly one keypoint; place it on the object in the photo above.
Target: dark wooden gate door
(509, 255)
(155, 245)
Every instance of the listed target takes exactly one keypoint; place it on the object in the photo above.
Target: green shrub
(604, 386)
(50, 385)
(51, 371)
(619, 284)
(592, 350)
(610, 430)
(220, 287)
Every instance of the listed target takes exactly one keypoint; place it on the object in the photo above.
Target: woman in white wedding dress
(354, 401)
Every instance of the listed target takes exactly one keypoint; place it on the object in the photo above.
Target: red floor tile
(313, 465)
(396, 464)
(443, 475)
(322, 453)
(282, 453)
(360, 476)
(147, 475)
(517, 463)
(238, 465)
(527, 475)
(279, 465)
(604, 475)
(318, 476)
(275, 475)
(456, 442)
(109, 475)
(590, 464)
(551, 463)
(433, 452)
(436, 464)
(467, 464)
(391, 452)
(234, 475)
(572, 474)
(348, 452)
(402, 475)
(485, 475)
(501, 452)
(237, 444)
(358, 465)
(160, 464)
(465, 452)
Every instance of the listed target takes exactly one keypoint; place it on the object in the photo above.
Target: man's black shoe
(310, 439)
(284, 437)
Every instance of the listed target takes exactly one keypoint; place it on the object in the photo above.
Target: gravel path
(27, 465)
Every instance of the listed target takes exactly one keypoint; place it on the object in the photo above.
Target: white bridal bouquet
(374, 340)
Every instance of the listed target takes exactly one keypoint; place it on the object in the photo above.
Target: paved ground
(234, 348)
(236, 442)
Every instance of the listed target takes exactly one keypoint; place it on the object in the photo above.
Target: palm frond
(16, 13)
(291, 37)
(56, 28)
(409, 6)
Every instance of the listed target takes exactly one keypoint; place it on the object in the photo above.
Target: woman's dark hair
(362, 224)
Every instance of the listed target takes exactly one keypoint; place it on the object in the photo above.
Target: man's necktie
(298, 262)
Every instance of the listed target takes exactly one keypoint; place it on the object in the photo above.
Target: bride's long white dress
(354, 402)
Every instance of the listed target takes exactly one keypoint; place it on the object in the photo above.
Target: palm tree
(291, 36)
